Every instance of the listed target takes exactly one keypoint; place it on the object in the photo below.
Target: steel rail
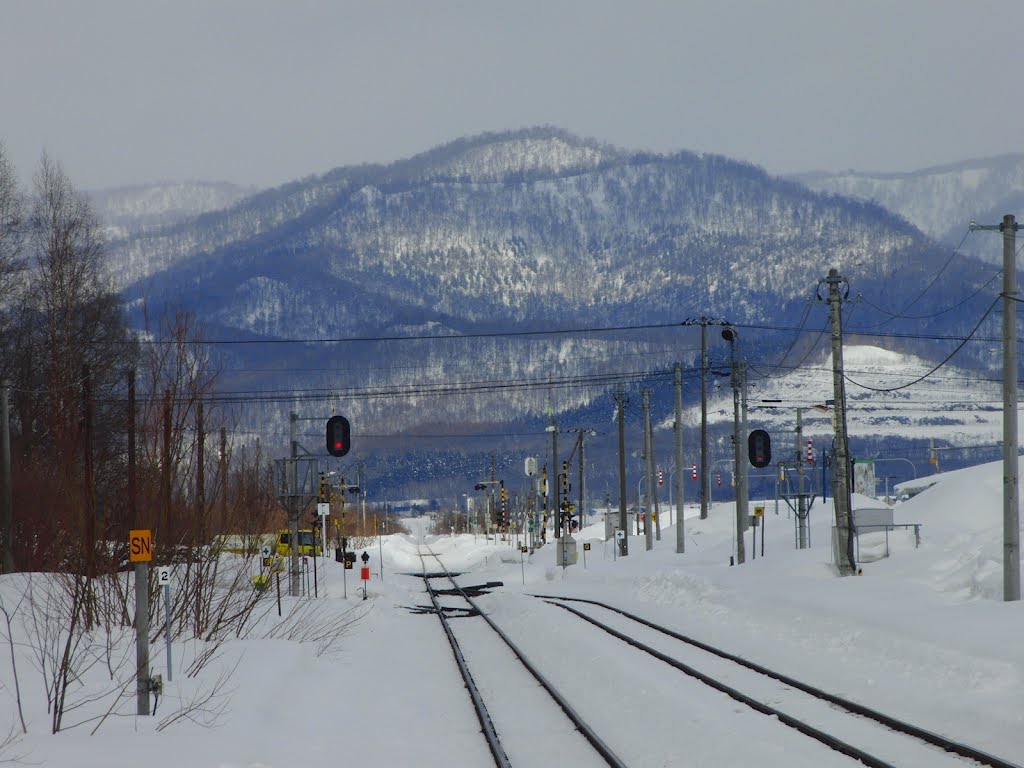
(947, 745)
(585, 730)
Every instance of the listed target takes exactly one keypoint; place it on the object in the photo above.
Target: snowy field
(922, 634)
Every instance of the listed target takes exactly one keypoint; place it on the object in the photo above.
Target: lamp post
(912, 467)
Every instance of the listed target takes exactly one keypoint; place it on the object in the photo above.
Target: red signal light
(338, 436)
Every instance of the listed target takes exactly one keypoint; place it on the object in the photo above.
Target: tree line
(106, 424)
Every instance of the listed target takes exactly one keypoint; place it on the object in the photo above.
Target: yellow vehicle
(309, 542)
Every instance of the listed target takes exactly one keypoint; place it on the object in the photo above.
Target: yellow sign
(758, 511)
(140, 546)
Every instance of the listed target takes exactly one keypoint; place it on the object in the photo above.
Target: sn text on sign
(140, 546)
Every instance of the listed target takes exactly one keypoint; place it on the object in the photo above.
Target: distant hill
(128, 210)
(943, 200)
(497, 240)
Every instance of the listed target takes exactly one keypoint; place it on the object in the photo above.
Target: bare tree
(69, 319)
(12, 232)
(8, 614)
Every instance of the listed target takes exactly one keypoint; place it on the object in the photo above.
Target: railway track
(519, 707)
(525, 720)
(864, 734)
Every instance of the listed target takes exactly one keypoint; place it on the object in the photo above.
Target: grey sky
(260, 92)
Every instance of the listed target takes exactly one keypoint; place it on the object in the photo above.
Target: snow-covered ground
(922, 634)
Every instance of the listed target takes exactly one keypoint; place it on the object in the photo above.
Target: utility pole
(581, 434)
(620, 405)
(361, 482)
(582, 509)
(6, 495)
(294, 567)
(841, 501)
(677, 428)
(705, 488)
(1011, 487)
(556, 507)
(739, 469)
(705, 481)
(801, 502)
(142, 670)
(649, 472)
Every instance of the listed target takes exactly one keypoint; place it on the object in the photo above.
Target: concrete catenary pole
(620, 406)
(743, 476)
(801, 501)
(677, 428)
(1011, 483)
(556, 506)
(841, 500)
(730, 335)
(704, 479)
(294, 566)
(649, 472)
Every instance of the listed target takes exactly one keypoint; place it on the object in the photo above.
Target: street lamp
(898, 458)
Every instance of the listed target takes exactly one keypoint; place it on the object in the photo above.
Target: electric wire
(945, 266)
(937, 367)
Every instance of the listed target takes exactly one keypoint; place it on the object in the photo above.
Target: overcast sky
(259, 92)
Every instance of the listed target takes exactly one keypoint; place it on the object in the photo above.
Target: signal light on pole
(759, 448)
(694, 471)
(324, 489)
(661, 477)
(338, 436)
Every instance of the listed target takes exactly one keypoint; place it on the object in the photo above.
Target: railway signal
(759, 448)
(339, 436)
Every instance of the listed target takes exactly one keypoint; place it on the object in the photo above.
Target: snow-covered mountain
(516, 228)
(941, 201)
(528, 232)
(128, 210)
